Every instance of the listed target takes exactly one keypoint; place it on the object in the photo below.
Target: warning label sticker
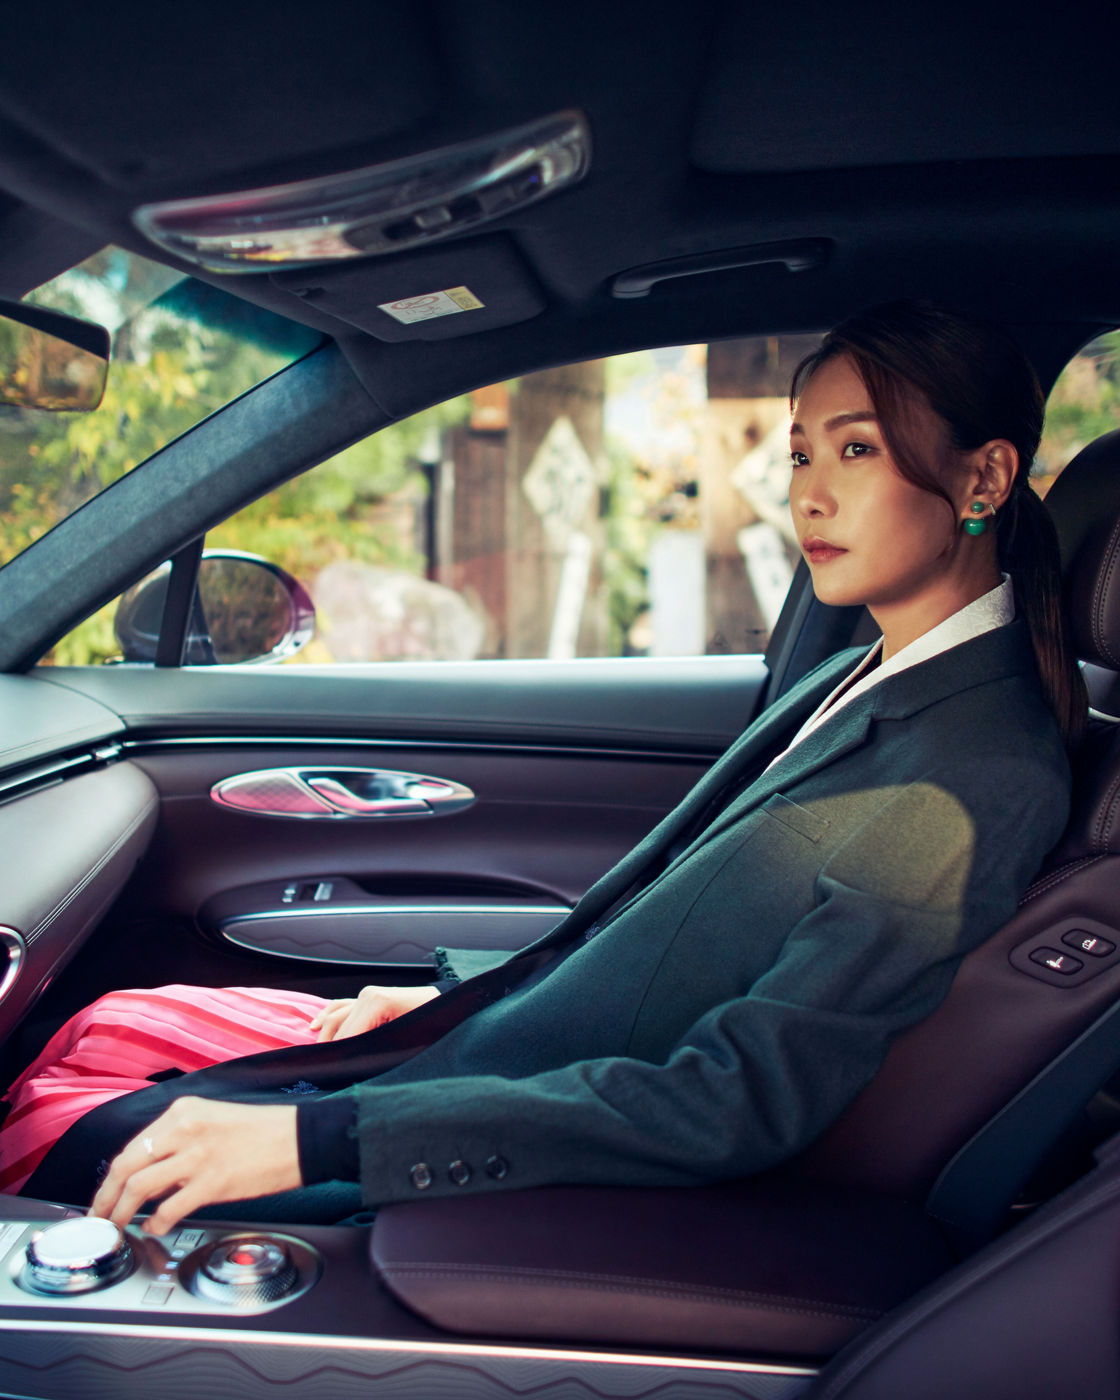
(432, 304)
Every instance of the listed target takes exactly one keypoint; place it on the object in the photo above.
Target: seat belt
(977, 1187)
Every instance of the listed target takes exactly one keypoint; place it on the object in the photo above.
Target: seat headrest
(1084, 503)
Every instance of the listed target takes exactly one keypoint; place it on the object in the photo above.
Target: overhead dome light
(379, 209)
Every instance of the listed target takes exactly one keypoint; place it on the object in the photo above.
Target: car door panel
(569, 764)
(692, 703)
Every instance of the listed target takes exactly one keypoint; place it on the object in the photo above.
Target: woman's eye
(856, 449)
(798, 459)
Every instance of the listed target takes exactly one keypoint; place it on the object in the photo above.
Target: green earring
(977, 527)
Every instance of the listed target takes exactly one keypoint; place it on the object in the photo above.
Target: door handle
(341, 792)
(355, 805)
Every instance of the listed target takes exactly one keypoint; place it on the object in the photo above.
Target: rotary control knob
(76, 1256)
(247, 1269)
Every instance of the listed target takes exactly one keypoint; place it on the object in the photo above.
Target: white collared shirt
(995, 609)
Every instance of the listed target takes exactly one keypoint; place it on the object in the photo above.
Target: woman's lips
(821, 552)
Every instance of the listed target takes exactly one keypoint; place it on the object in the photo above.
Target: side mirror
(50, 360)
(244, 609)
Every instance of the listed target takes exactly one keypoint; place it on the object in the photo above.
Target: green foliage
(90, 643)
(1084, 403)
(331, 512)
(183, 350)
(629, 531)
(168, 372)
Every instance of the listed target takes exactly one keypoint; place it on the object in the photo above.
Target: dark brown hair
(982, 386)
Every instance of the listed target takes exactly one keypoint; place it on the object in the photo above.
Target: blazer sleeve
(934, 870)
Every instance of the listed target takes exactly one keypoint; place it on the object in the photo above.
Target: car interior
(694, 176)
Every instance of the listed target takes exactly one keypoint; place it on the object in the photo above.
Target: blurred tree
(1084, 403)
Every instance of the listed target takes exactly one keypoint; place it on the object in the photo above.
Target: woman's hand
(372, 1007)
(198, 1153)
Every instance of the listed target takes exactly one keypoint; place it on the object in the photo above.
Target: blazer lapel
(766, 736)
(1002, 652)
(844, 732)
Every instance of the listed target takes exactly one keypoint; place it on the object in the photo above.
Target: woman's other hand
(198, 1153)
(372, 1007)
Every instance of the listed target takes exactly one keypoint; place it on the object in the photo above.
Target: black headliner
(958, 152)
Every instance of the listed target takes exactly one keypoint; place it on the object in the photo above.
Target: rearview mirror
(49, 360)
(244, 609)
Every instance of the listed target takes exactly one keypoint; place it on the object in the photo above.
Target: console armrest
(767, 1264)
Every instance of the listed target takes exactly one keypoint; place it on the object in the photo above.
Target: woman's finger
(330, 1009)
(175, 1206)
(136, 1156)
(140, 1186)
(332, 1020)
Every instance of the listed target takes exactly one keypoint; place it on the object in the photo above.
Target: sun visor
(460, 289)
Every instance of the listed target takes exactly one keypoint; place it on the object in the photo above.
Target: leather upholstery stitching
(92, 874)
(1056, 877)
(1100, 594)
(1107, 812)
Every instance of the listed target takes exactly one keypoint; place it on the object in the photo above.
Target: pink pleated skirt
(115, 1045)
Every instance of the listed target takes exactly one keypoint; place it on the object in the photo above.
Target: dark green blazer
(727, 1014)
(704, 1011)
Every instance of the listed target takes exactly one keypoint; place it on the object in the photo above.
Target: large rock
(367, 613)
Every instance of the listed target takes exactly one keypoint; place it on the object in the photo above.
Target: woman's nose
(809, 494)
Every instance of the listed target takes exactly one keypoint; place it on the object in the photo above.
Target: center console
(295, 1311)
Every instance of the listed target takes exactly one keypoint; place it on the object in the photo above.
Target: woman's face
(868, 535)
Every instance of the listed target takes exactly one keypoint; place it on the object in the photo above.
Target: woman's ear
(992, 471)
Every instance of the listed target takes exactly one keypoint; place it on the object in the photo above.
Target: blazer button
(421, 1176)
(459, 1172)
(496, 1168)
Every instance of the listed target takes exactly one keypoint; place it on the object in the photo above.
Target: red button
(243, 1256)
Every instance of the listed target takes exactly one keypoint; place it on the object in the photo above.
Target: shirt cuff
(326, 1134)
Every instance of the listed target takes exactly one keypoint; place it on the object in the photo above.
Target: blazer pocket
(798, 819)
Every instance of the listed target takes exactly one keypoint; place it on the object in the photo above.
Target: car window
(180, 350)
(632, 506)
(1083, 404)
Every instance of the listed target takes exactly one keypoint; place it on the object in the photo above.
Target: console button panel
(198, 1271)
(1047, 955)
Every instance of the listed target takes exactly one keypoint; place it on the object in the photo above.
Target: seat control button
(1064, 963)
(459, 1172)
(1089, 943)
(420, 1175)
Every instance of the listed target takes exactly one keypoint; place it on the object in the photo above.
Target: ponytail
(1027, 546)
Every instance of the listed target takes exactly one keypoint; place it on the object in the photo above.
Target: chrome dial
(76, 1256)
(245, 1269)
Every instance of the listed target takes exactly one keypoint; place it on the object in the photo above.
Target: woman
(714, 1002)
